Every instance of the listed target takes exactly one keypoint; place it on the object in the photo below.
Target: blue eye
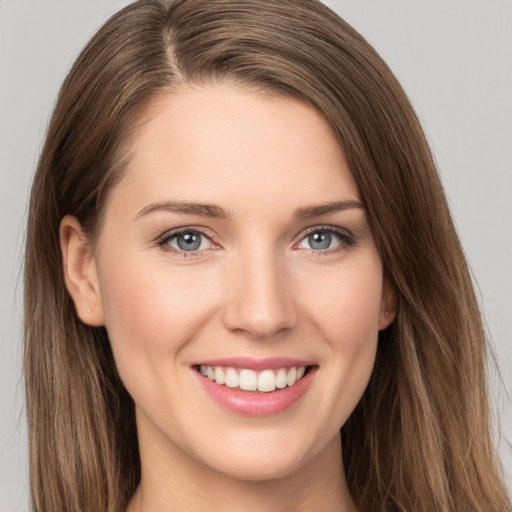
(322, 239)
(188, 240)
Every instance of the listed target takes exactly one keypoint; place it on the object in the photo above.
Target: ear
(388, 304)
(80, 276)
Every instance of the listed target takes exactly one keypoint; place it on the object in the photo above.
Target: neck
(174, 481)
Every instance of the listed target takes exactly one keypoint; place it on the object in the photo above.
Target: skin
(257, 287)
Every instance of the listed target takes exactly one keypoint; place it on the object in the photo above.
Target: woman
(243, 285)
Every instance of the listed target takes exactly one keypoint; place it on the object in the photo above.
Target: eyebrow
(316, 210)
(208, 210)
(204, 210)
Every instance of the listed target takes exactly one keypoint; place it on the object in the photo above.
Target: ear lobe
(388, 305)
(80, 275)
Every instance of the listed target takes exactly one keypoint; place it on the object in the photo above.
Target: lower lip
(252, 403)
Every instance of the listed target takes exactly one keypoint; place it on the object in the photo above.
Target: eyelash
(164, 240)
(346, 240)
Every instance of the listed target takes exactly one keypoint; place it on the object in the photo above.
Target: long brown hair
(420, 437)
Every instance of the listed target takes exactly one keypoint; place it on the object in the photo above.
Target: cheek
(151, 310)
(345, 303)
(345, 309)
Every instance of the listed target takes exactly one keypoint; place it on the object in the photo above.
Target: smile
(252, 387)
(246, 379)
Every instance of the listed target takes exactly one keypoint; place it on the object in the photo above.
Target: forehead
(223, 143)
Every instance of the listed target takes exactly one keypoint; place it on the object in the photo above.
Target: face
(239, 283)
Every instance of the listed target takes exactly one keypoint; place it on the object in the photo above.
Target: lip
(268, 363)
(254, 403)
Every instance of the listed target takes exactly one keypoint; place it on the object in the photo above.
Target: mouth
(251, 387)
(246, 379)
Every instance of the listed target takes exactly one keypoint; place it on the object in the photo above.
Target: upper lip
(250, 363)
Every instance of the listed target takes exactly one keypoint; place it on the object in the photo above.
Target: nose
(259, 295)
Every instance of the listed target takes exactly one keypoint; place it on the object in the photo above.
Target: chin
(263, 456)
(257, 468)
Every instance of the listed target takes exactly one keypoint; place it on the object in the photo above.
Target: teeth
(231, 378)
(249, 380)
(291, 378)
(266, 381)
(281, 378)
(220, 378)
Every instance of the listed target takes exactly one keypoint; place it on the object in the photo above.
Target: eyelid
(325, 227)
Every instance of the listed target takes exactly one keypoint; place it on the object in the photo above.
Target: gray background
(453, 57)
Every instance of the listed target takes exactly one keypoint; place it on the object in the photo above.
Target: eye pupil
(189, 241)
(319, 240)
